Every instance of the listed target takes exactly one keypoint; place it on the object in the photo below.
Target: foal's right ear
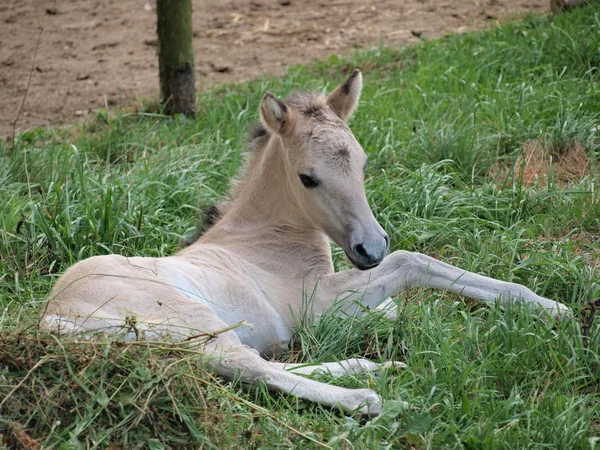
(276, 115)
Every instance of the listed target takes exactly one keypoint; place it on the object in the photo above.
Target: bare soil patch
(541, 163)
(101, 53)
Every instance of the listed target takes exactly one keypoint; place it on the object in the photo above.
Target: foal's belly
(235, 298)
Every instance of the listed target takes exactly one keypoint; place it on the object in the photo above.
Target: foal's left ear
(344, 99)
(276, 115)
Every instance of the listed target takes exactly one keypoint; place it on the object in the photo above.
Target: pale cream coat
(269, 254)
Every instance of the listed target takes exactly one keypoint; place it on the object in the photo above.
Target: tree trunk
(176, 56)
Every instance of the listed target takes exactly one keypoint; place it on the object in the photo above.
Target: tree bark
(176, 56)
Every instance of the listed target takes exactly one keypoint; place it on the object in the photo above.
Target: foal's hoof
(394, 365)
(364, 401)
(558, 311)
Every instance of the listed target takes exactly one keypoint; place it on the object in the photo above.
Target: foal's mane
(309, 104)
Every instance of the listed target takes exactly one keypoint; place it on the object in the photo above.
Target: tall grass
(444, 123)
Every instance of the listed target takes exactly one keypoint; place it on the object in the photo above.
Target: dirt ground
(97, 53)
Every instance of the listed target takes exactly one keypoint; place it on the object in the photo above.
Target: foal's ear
(344, 99)
(276, 115)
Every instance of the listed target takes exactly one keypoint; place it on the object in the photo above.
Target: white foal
(302, 185)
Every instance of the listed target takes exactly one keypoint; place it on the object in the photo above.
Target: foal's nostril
(387, 241)
(360, 250)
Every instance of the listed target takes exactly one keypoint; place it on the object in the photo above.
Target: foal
(302, 185)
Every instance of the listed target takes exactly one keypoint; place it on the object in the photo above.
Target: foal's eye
(308, 181)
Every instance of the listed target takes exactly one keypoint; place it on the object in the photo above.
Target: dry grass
(541, 163)
(118, 393)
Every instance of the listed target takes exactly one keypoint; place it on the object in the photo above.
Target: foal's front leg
(402, 270)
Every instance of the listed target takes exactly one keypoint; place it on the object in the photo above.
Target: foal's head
(328, 167)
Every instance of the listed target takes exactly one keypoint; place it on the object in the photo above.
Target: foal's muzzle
(369, 253)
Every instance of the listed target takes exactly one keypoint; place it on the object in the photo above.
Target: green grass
(437, 119)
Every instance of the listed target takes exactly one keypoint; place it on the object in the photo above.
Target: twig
(587, 322)
(38, 364)
(35, 50)
(214, 334)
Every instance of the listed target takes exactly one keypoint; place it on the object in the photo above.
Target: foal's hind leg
(352, 366)
(231, 359)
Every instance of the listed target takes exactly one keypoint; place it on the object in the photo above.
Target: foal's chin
(361, 266)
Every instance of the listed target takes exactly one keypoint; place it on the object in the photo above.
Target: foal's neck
(264, 221)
